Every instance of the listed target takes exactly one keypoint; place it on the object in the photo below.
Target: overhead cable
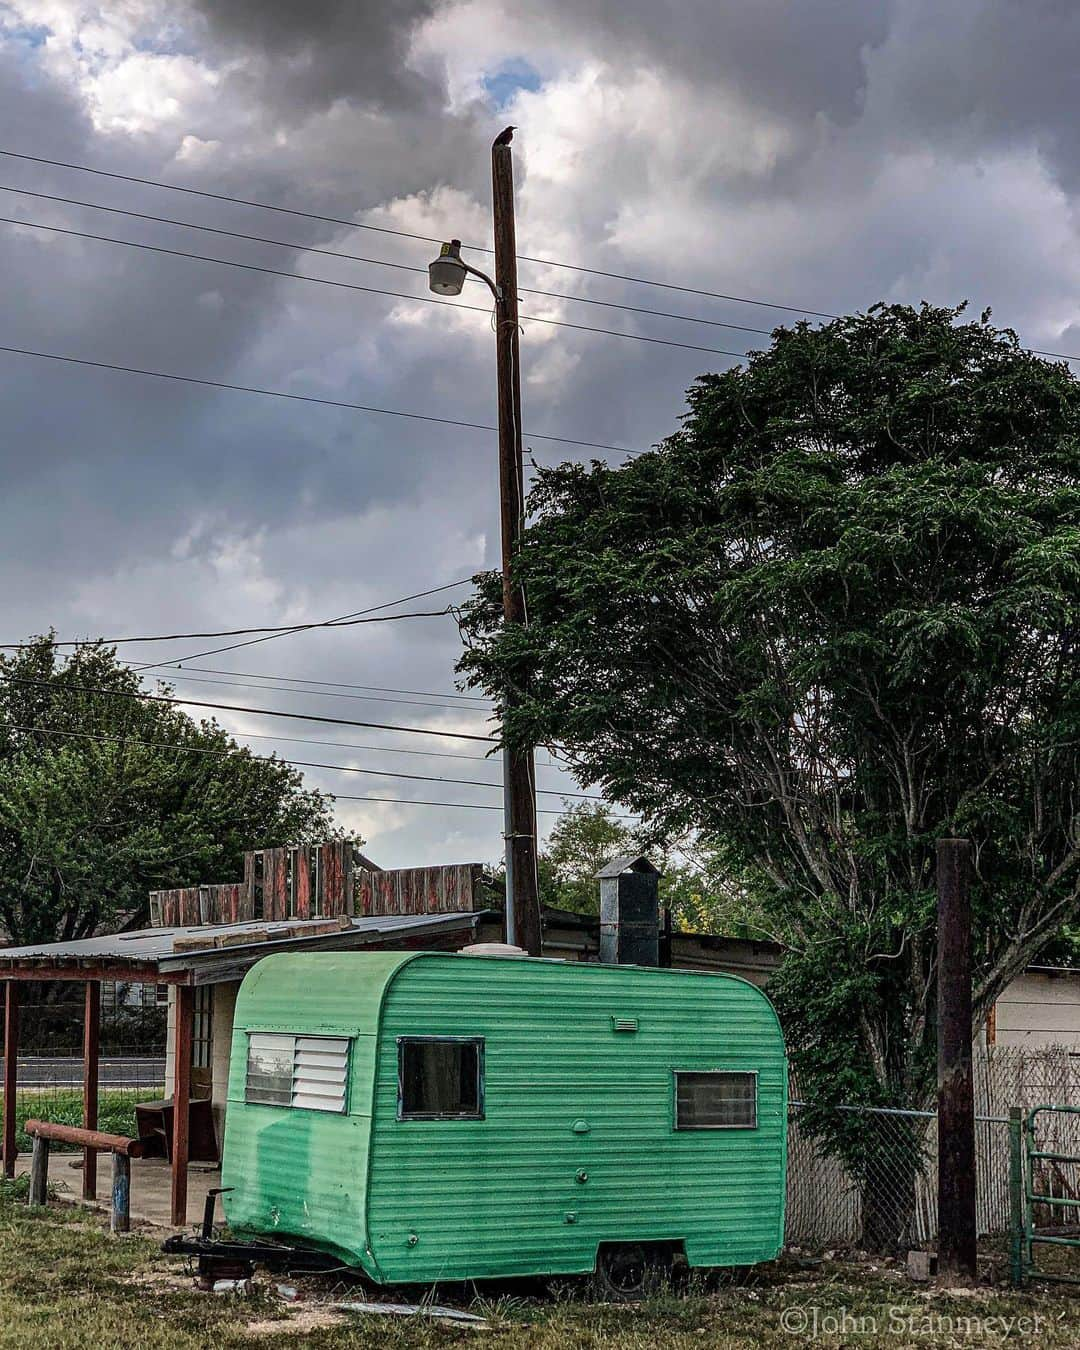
(302, 398)
(355, 286)
(407, 234)
(278, 759)
(253, 712)
(296, 246)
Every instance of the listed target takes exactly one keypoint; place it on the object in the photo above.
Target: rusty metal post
(519, 768)
(11, 1073)
(91, 1056)
(957, 1236)
(182, 1037)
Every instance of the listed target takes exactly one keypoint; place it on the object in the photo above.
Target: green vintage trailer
(430, 1116)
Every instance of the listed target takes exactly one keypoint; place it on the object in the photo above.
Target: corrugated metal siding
(493, 1197)
(297, 1173)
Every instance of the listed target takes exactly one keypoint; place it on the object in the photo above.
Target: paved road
(114, 1071)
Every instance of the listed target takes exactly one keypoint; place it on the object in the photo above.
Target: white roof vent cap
(492, 949)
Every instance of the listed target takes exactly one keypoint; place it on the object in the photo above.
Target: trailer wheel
(627, 1271)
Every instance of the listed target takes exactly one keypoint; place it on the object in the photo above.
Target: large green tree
(104, 796)
(833, 617)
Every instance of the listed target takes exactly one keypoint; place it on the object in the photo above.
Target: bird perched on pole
(505, 137)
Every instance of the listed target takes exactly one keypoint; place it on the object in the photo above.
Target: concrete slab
(151, 1200)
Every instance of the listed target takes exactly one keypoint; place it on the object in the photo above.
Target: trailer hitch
(221, 1259)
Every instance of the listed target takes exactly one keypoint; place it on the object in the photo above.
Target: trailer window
(304, 1071)
(715, 1100)
(440, 1078)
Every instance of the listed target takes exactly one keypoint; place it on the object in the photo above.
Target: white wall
(1040, 1009)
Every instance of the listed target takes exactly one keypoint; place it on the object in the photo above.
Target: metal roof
(157, 946)
(630, 862)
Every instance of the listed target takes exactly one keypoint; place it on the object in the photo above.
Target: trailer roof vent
(624, 1023)
(493, 949)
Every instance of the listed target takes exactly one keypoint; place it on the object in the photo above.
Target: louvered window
(715, 1100)
(305, 1071)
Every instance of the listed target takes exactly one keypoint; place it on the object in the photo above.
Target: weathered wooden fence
(318, 881)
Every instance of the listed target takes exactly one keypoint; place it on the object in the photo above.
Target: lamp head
(446, 275)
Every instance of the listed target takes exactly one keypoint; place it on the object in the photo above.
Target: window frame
(296, 1036)
(701, 1073)
(481, 1077)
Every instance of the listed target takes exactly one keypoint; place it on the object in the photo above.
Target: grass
(64, 1106)
(66, 1284)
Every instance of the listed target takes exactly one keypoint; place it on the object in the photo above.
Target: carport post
(182, 1034)
(11, 1072)
(91, 1051)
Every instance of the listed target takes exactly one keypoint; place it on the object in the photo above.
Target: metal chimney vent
(630, 912)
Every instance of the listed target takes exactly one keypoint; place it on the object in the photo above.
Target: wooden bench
(123, 1149)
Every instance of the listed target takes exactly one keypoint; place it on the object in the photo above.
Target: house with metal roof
(201, 942)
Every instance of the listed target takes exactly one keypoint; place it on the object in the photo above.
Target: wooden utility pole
(523, 901)
(956, 1100)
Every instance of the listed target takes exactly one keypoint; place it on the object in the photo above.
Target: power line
(340, 618)
(355, 286)
(278, 759)
(464, 806)
(254, 712)
(406, 234)
(303, 398)
(377, 749)
(370, 262)
(479, 248)
(331, 684)
(327, 693)
(234, 632)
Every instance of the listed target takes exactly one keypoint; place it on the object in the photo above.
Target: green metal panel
(299, 1174)
(501, 1196)
(576, 1147)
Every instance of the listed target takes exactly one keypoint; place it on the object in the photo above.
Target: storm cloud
(826, 155)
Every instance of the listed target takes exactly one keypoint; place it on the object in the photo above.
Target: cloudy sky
(824, 154)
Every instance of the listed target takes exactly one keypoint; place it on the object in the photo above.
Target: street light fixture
(446, 276)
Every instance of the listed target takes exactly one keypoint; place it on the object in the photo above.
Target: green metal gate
(1026, 1160)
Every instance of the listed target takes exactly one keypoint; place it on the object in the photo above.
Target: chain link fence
(865, 1178)
(882, 1197)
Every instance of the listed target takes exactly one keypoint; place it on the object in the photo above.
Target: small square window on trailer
(427, 1116)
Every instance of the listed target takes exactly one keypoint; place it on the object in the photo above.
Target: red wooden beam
(56, 970)
(91, 1055)
(11, 1073)
(182, 1037)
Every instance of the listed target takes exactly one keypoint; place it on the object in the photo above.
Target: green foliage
(583, 839)
(831, 619)
(703, 894)
(89, 826)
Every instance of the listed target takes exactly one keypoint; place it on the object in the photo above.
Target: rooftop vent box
(630, 912)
